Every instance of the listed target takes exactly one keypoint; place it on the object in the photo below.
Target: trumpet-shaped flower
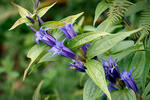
(111, 70)
(77, 65)
(59, 48)
(127, 78)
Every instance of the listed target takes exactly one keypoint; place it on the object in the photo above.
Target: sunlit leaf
(102, 45)
(96, 73)
(19, 22)
(42, 11)
(85, 38)
(22, 11)
(58, 24)
(33, 54)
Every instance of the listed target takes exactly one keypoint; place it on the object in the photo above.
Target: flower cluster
(114, 76)
(70, 33)
(57, 47)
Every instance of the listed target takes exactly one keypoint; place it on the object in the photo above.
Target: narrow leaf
(22, 11)
(102, 45)
(42, 11)
(85, 38)
(96, 72)
(58, 24)
(18, 22)
(33, 54)
(36, 95)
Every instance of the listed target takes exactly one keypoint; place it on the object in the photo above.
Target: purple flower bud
(111, 70)
(45, 37)
(69, 31)
(32, 20)
(127, 78)
(59, 48)
(77, 65)
(40, 20)
(85, 47)
(36, 4)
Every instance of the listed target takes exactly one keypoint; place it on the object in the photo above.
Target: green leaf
(126, 94)
(126, 52)
(96, 72)
(33, 54)
(42, 11)
(22, 11)
(91, 91)
(138, 61)
(73, 17)
(102, 45)
(146, 94)
(36, 95)
(47, 57)
(19, 22)
(85, 38)
(101, 7)
(58, 24)
(122, 45)
(111, 27)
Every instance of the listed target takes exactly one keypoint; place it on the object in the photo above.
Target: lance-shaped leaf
(33, 54)
(91, 91)
(22, 11)
(58, 24)
(96, 72)
(19, 22)
(36, 95)
(85, 38)
(42, 11)
(102, 45)
(126, 94)
(101, 7)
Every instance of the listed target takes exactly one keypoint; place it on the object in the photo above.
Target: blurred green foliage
(59, 83)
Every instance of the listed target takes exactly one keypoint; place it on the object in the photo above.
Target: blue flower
(59, 48)
(111, 70)
(127, 78)
(69, 31)
(77, 65)
(45, 37)
(36, 4)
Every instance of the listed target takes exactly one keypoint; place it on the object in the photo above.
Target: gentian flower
(36, 4)
(69, 31)
(77, 65)
(111, 70)
(59, 48)
(127, 78)
(45, 37)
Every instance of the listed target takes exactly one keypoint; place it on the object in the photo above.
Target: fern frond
(145, 23)
(117, 10)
